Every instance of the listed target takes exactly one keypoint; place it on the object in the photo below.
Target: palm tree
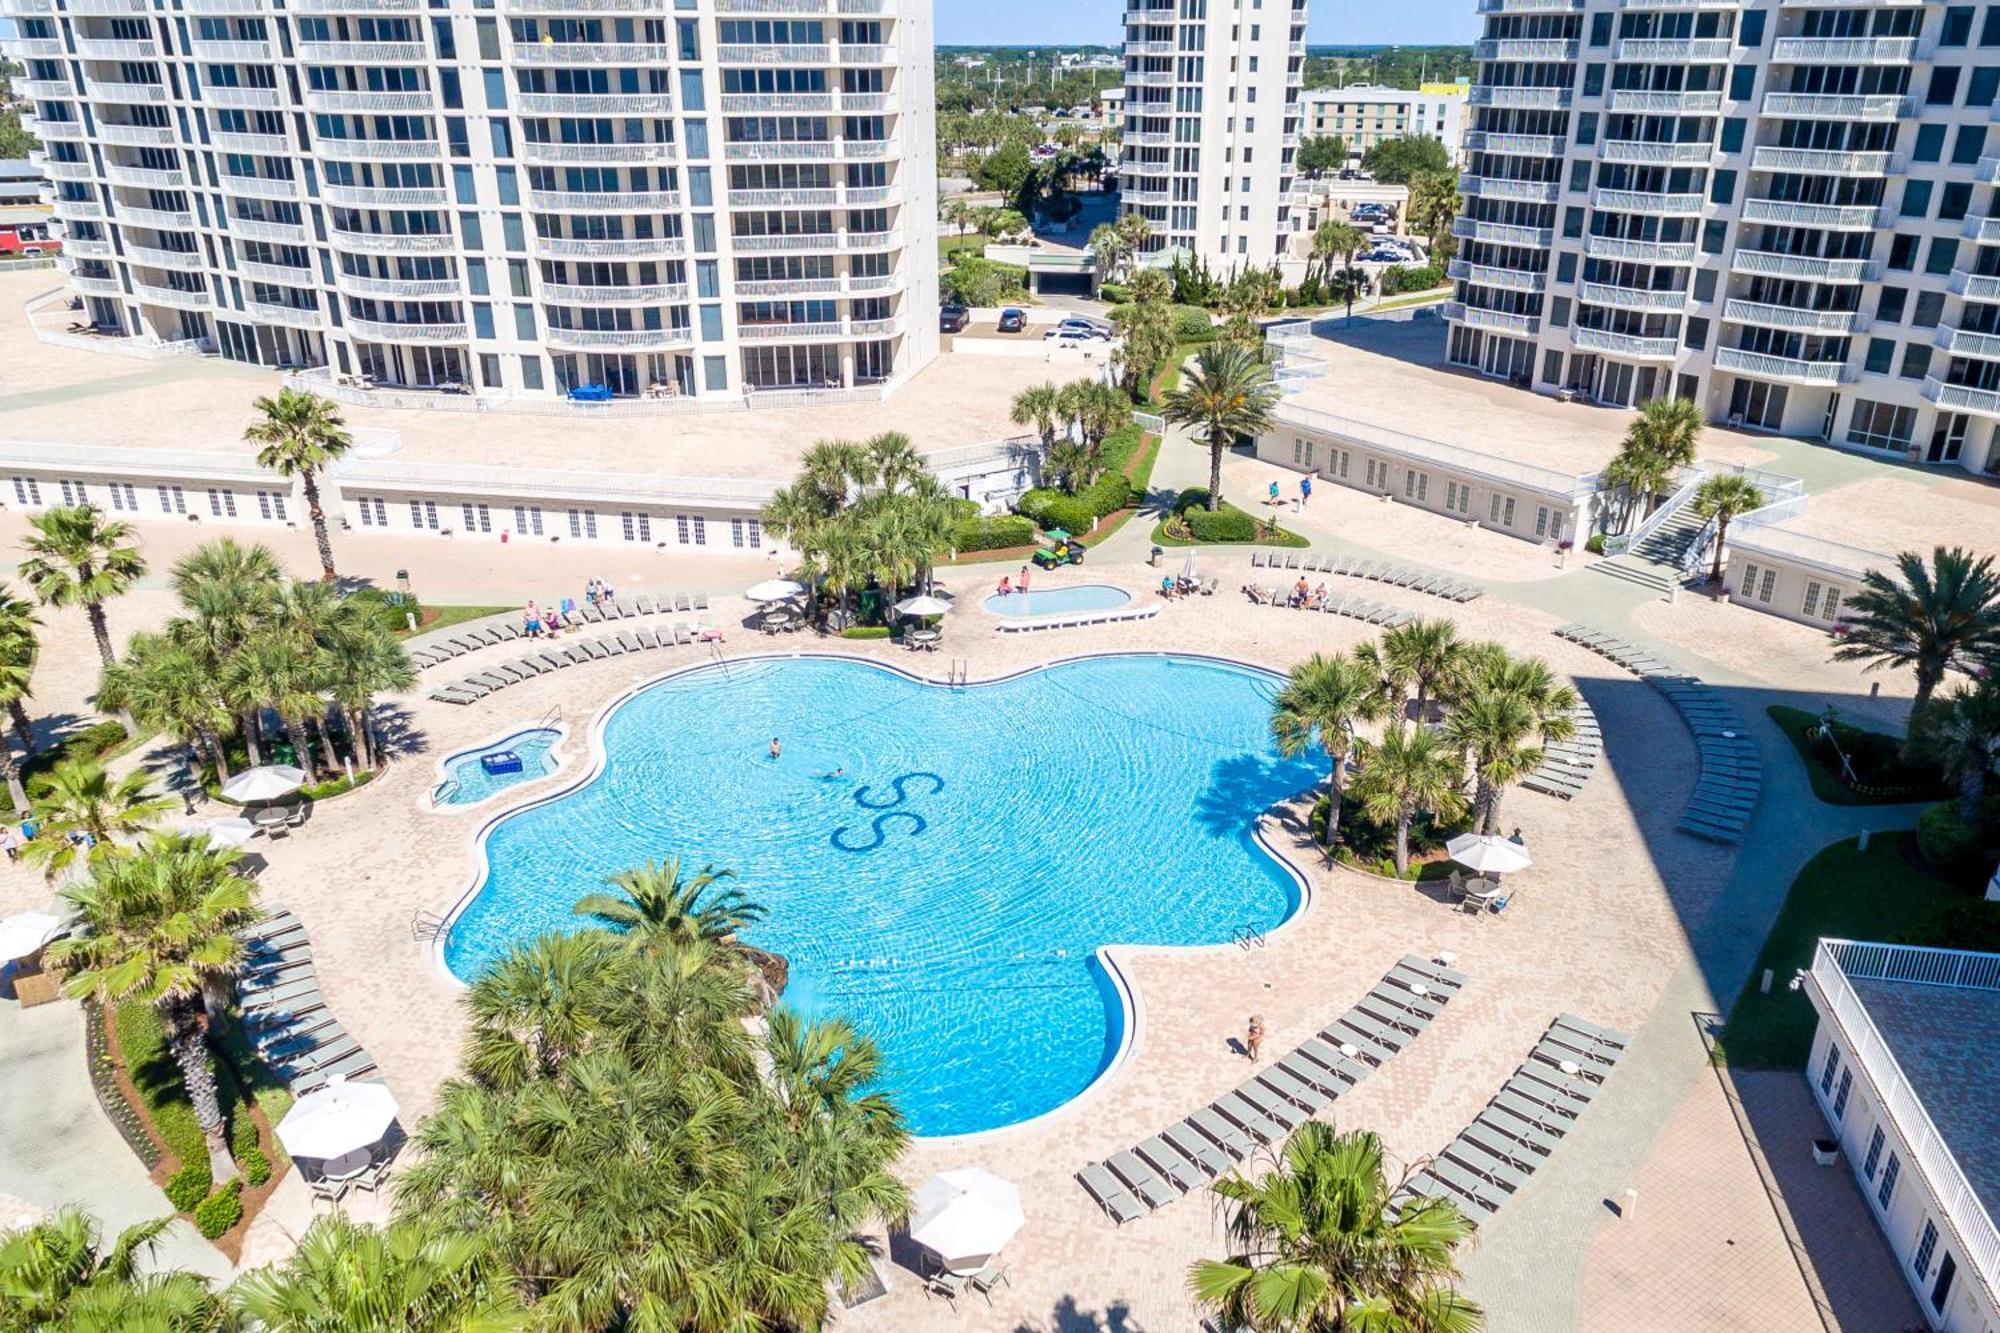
(19, 649)
(1409, 769)
(415, 1276)
(1322, 1246)
(1962, 733)
(1724, 498)
(1323, 701)
(1509, 710)
(301, 434)
(168, 686)
(84, 801)
(1428, 654)
(160, 928)
(655, 906)
(1228, 392)
(1938, 617)
(77, 559)
(1343, 239)
(959, 214)
(1039, 405)
(1661, 441)
(1111, 249)
(538, 1008)
(364, 660)
(273, 672)
(57, 1275)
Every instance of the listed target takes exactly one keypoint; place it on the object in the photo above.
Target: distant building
(20, 181)
(1367, 115)
(1113, 102)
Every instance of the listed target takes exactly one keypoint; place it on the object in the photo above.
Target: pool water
(1058, 601)
(466, 782)
(939, 865)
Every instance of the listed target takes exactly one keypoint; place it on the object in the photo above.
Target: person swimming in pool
(776, 748)
(839, 771)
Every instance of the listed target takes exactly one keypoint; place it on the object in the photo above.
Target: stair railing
(1690, 482)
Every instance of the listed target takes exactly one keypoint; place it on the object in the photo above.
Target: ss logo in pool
(890, 815)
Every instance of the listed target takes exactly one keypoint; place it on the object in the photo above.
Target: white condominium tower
(701, 198)
(1211, 123)
(1780, 210)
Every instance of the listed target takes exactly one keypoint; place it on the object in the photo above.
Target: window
(1957, 26)
(374, 512)
(424, 514)
(271, 506)
(1371, 474)
(1930, 143)
(1955, 202)
(1548, 523)
(1748, 588)
(1840, 1098)
(1903, 252)
(73, 492)
(637, 527)
(1920, 1262)
(1343, 464)
(28, 491)
(1302, 453)
(1916, 360)
(1457, 497)
(1889, 1174)
(1968, 145)
(1985, 80)
(1889, 308)
(123, 497)
(1930, 309)
(1874, 1157)
(746, 532)
(1989, 31)
(1742, 82)
(1697, 333)
(478, 518)
(1822, 601)
(1880, 425)
(221, 504)
(1881, 356)
(1944, 86)
(583, 523)
(1916, 198)
(1501, 511)
(528, 520)
(1751, 33)
(1416, 485)
(1723, 188)
(1832, 1066)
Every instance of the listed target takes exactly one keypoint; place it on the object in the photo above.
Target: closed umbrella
(231, 832)
(26, 932)
(1488, 853)
(965, 1216)
(923, 606)
(337, 1119)
(774, 590)
(268, 783)
(1187, 566)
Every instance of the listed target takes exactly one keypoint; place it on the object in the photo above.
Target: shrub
(1946, 840)
(1228, 524)
(1411, 279)
(977, 281)
(256, 1166)
(1108, 494)
(865, 632)
(220, 1210)
(388, 607)
(1970, 925)
(1113, 293)
(1193, 325)
(1194, 497)
(1051, 509)
(242, 1134)
(1596, 544)
(188, 1186)
(993, 534)
(962, 508)
(320, 791)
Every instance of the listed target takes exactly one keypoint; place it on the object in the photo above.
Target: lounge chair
(700, 602)
(351, 1067)
(682, 602)
(1240, 1110)
(1189, 1143)
(1272, 1105)
(1143, 1181)
(1214, 1127)
(1116, 1201)
(1166, 1159)
(1300, 1092)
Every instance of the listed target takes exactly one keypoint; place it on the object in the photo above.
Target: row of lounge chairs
(556, 655)
(1732, 772)
(1567, 765)
(1347, 566)
(1075, 619)
(1276, 1100)
(1526, 1120)
(472, 640)
(283, 1012)
(1357, 608)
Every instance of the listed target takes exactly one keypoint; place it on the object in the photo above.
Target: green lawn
(444, 617)
(1278, 538)
(1430, 297)
(1873, 752)
(1845, 893)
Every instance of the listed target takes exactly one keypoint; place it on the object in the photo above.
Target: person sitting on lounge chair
(1168, 588)
(1254, 593)
(1319, 597)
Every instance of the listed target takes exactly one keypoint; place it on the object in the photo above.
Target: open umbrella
(923, 606)
(231, 832)
(1488, 853)
(774, 590)
(965, 1216)
(338, 1118)
(22, 934)
(264, 784)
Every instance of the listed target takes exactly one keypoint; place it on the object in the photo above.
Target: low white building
(1902, 1067)
(1367, 114)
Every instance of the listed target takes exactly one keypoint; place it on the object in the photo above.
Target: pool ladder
(1248, 938)
(956, 674)
(715, 653)
(552, 717)
(425, 926)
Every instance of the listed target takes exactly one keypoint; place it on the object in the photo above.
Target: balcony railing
(651, 294)
(173, 297)
(370, 103)
(774, 53)
(1648, 252)
(291, 316)
(1674, 50)
(829, 285)
(1537, 50)
(1962, 397)
(134, 136)
(73, 171)
(1821, 161)
(91, 286)
(398, 289)
(144, 94)
(390, 243)
(1843, 50)
(106, 48)
(1486, 275)
(255, 99)
(819, 240)
(1833, 217)
(1502, 233)
(1974, 286)
(1506, 145)
(232, 52)
(352, 6)
(801, 332)
(1530, 6)
(266, 145)
(156, 178)
(394, 332)
(1672, 103)
(1624, 344)
(604, 201)
(775, 103)
(624, 247)
(1499, 320)
(592, 53)
(1647, 202)
(1630, 298)
(636, 340)
(596, 104)
(281, 275)
(1982, 231)
(1766, 264)
(44, 90)
(377, 150)
(559, 154)
(1519, 99)
(797, 150)
(376, 196)
(1656, 154)
(1960, 342)
(366, 53)
(590, 6)
(162, 219)
(1838, 106)
(260, 187)
(1774, 316)
(1499, 187)
(257, 229)
(1787, 369)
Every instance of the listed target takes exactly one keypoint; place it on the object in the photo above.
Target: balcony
(791, 332)
(1981, 231)
(372, 103)
(160, 219)
(1820, 161)
(68, 131)
(173, 261)
(868, 150)
(1519, 99)
(829, 285)
(1538, 50)
(173, 297)
(291, 316)
(1501, 233)
(1644, 101)
(105, 48)
(1970, 286)
(611, 7)
(266, 145)
(33, 48)
(796, 150)
(83, 249)
(354, 6)
(387, 331)
(252, 99)
(44, 90)
(1960, 342)
(1645, 252)
(257, 229)
(626, 247)
(398, 289)
(95, 286)
(1486, 275)
(604, 201)
(367, 53)
(278, 274)
(871, 196)
(109, 8)
(72, 171)
(1531, 6)
(820, 198)
(629, 340)
(1831, 217)
(154, 178)
(592, 53)
(259, 187)
(374, 196)
(819, 240)
(390, 243)
(376, 150)
(1498, 320)
(1648, 203)
(594, 104)
(1656, 154)
(1835, 106)
(1843, 50)
(851, 53)
(1144, 196)
(1765, 264)
(1784, 369)
(1505, 145)
(1989, 169)
(1624, 344)
(1630, 298)
(1680, 4)
(1962, 397)
(140, 94)
(776, 103)
(560, 154)
(1165, 48)
(772, 7)
(1674, 50)
(1792, 317)
(232, 52)
(1519, 191)
(874, 240)
(578, 294)
(773, 53)
(135, 136)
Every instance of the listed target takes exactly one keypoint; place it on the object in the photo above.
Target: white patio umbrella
(774, 590)
(264, 784)
(337, 1119)
(923, 606)
(22, 934)
(231, 832)
(1488, 853)
(965, 1216)
(1187, 566)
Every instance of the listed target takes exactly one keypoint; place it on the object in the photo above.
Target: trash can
(1158, 551)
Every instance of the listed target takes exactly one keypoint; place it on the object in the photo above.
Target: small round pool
(1058, 601)
(468, 781)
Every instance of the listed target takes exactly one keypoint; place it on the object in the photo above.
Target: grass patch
(98, 741)
(1192, 524)
(1167, 376)
(1883, 776)
(1842, 892)
(1430, 297)
(444, 617)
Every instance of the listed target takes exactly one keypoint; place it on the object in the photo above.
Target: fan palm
(1408, 770)
(364, 660)
(1937, 617)
(1323, 701)
(538, 1007)
(1040, 406)
(1343, 239)
(84, 812)
(1226, 393)
(656, 907)
(19, 649)
(1426, 653)
(1321, 1246)
(1661, 441)
(302, 434)
(274, 670)
(893, 463)
(1724, 498)
(160, 928)
(1961, 732)
(56, 1275)
(1510, 710)
(170, 687)
(76, 558)
(415, 1276)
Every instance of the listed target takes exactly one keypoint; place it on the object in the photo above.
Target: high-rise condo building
(1211, 123)
(1779, 210)
(712, 198)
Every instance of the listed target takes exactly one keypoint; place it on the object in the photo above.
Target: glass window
(510, 227)
(1903, 252)
(1955, 202)
(524, 323)
(1989, 31)
(1969, 145)
(1742, 82)
(461, 184)
(1881, 425)
(454, 93)
(1930, 143)
(468, 225)
(1600, 29)
(1586, 127)
(1943, 254)
(715, 373)
(1916, 198)
(1930, 309)
(1732, 135)
(1944, 86)
(692, 98)
(531, 378)
(482, 320)
(510, 185)
(1881, 355)
(475, 276)
(1889, 1174)
(1873, 1161)
(1916, 360)
(1723, 189)
(1751, 33)
(496, 88)
(1593, 80)
(1697, 334)
(711, 323)
(1985, 80)
(1957, 30)
(1889, 307)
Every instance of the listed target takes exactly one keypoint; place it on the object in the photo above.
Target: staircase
(1644, 573)
(1667, 544)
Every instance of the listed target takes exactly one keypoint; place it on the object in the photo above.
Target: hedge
(865, 632)
(1114, 293)
(1051, 509)
(220, 1210)
(992, 534)
(1401, 279)
(389, 607)
(187, 1187)
(1953, 846)
(104, 1082)
(1227, 524)
(1192, 324)
(92, 742)
(256, 1166)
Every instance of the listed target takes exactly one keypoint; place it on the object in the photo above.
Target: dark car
(951, 318)
(1013, 319)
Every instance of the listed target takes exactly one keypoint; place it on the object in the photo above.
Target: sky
(1022, 22)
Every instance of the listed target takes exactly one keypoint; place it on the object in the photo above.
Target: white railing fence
(1784, 497)
(321, 381)
(1690, 482)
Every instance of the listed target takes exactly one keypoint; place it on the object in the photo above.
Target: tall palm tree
(415, 1276)
(538, 1008)
(1937, 617)
(1321, 1246)
(1323, 701)
(168, 686)
(1343, 239)
(160, 928)
(1428, 654)
(274, 671)
(57, 1275)
(1508, 711)
(364, 660)
(19, 650)
(1661, 441)
(656, 907)
(1961, 732)
(894, 465)
(1039, 405)
(84, 801)
(1228, 392)
(76, 558)
(1409, 769)
(1725, 497)
(301, 435)
(1108, 244)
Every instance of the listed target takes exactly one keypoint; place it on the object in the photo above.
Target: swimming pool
(938, 865)
(1058, 601)
(466, 781)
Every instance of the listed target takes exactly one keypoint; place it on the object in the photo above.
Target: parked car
(952, 318)
(1013, 319)
(1078, 330)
